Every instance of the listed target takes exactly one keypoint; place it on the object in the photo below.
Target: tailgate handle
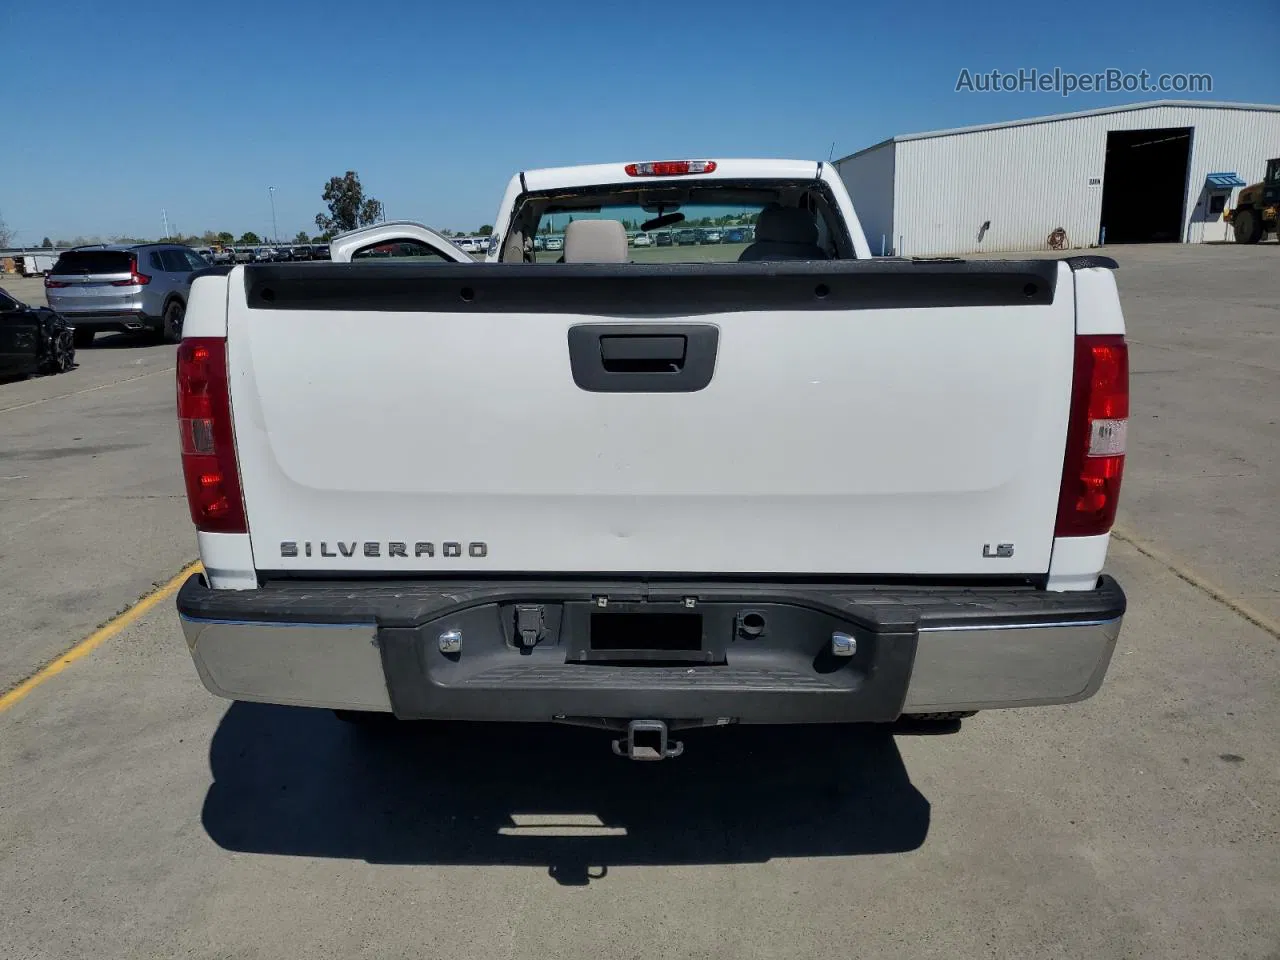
(642, 354)
(643, 357)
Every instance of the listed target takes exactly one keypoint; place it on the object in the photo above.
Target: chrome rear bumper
(369, 648)
(304, 665)
(1028, 665)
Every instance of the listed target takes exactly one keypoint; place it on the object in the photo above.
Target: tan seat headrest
(595, 241)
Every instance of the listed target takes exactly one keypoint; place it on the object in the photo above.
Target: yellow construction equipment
(1258, 208)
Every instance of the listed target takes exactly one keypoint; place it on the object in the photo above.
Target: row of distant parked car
(143, 287)
(471, 244)
(130, 288)
(266, 254)
(666, 238)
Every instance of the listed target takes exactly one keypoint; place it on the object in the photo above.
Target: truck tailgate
(861, 417)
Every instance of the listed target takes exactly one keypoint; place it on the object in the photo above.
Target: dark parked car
(33, 340)
(300, 251)
(320, 251)
(662, 239)
(687, 238)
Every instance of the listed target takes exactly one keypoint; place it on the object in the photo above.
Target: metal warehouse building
(1146, 172)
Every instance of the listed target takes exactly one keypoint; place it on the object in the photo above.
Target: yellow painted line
(76, 393)
(1183, 572)
(98, 637)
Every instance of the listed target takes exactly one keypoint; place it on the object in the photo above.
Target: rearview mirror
(663, 221)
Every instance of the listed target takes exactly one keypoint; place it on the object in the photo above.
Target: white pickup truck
(400, 240)
(782, 483)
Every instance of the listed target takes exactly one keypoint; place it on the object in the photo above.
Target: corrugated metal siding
(1029, 180)
(869, 179)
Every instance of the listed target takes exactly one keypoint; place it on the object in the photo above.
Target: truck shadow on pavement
(298, 782)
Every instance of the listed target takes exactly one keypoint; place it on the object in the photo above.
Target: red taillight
(669, 168)
(136, 279)
(54, 284)
(208, 441)
(1094, 461)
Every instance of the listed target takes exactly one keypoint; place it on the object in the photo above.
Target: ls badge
(996, 551)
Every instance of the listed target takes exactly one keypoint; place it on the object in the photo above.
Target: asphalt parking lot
(139, 816)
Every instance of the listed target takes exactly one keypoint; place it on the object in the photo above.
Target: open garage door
(1144, 185)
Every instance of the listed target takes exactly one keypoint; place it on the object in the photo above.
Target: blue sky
(199, 109)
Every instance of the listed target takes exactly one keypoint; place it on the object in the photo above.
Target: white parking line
(76, 393)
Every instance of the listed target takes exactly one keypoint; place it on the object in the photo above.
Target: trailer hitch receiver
(647, 740)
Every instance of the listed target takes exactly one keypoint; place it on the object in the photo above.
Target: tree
(249, 237)
(349, 208)
(6, 237)
(485, 230)
(301, 237)
(46, 243)
(225, 237)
